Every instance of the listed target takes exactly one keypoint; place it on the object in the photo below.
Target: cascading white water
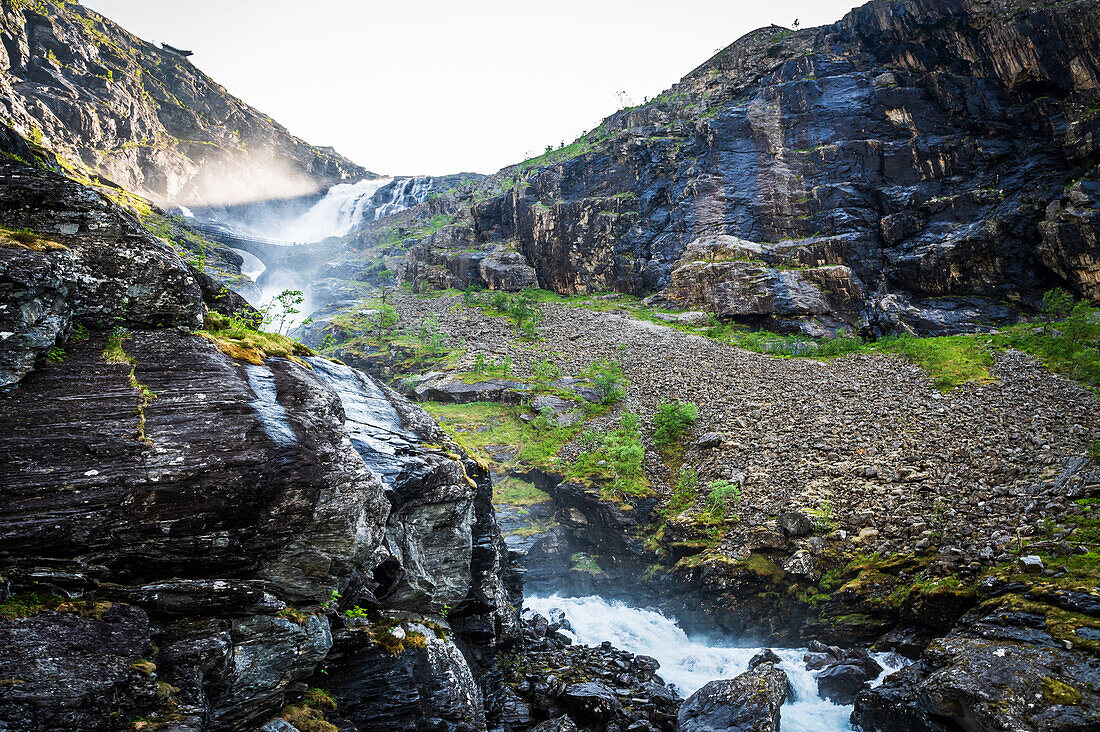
(406, 193)
(689, 663)
(336, 214)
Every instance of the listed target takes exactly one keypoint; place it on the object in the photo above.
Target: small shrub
(612, 459)
(545, 371)
(55, 355)
(672, 420)
(684, 494)
(1094, 450)
(607, 376)
(723, 494)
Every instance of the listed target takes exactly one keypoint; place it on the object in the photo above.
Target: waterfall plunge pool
(688, 663)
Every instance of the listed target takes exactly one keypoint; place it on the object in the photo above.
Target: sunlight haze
(441, 87)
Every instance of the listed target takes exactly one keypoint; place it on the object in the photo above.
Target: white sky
(412, 87)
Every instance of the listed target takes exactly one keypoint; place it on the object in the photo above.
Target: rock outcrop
(747, 703)
(78, 86)
(84, 258)
(997, 670)
(190, 540)
(914, 158)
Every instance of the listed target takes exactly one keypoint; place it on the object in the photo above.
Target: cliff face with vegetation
(922, 166)
(106, 103)
(208, 527)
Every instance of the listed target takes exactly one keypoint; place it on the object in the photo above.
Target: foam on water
(688, 663)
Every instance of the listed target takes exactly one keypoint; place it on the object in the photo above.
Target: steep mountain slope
(78, 85)
(926, 166)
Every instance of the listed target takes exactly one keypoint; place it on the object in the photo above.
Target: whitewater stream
(690, 662)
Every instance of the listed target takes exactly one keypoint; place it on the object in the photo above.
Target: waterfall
(688, 663)
(403, 194)
(336, 214)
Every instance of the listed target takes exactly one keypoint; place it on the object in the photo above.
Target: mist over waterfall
(336, 214)
(690, 662)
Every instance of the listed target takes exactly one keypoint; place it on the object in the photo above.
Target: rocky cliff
(920, 165)
(76, 85)
(188, 539)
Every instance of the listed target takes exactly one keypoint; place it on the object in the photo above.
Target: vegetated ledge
(236, 339)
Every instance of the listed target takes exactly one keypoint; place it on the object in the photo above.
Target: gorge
(766, 404)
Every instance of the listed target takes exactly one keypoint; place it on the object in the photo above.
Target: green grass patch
(237, 339)
(515, 492)
(950, 360)
(485, 427)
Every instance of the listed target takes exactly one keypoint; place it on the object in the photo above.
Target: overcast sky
(441, 86)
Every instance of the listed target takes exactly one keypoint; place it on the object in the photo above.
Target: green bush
(607, 376)
(545, 371)
(723, 494)
(1057, 303)
(672, 420)
(612, 459)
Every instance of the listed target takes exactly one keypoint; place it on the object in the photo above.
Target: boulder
(747, 703)
(431, 687)
(709, 440)
(560, 412)
(840, 682)
(590, 703)
(795, 524)
(74, 668)
(439, 387)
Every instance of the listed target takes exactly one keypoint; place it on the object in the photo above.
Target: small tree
(1057, 303)
(283, 308)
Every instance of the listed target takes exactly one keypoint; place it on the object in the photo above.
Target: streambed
(689, 662)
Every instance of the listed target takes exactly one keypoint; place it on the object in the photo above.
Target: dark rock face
(997, 671)
(912, 167)
(748, 703)
(84, 667)
(419, 689)
(97, 96)
(297, 515)
(102, 267)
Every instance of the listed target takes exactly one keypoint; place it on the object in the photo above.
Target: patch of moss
(319, 698)
(145, 666)
(512, 491)
(114, 352)
(307, 719)
(294, 616)
(27, 604)
(237, 339)
(586, 563)
(1059, 692)
(27, 239)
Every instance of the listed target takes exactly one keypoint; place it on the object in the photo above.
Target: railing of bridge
(221, 233)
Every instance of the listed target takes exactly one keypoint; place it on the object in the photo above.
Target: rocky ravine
(871, 506)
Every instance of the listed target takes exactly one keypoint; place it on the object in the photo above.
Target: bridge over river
(266, 250)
